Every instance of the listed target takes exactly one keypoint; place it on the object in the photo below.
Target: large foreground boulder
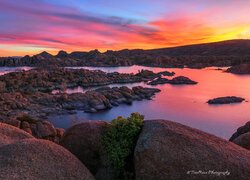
(10, 134)
(168, 150)
(24, 157)
(85, 141)
(40, 159)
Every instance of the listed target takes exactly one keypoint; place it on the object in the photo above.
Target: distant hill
(222, 48)
(224, 53)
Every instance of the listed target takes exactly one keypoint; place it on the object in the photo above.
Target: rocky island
(179, 80)
(226, 100)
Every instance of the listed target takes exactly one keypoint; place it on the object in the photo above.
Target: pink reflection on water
(187, 103)
(6, 70)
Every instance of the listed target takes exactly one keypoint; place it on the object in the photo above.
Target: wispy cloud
(55, 26)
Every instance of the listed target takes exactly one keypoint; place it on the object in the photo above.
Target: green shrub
(119, 143)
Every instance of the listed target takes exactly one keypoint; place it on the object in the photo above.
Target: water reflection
(185, 104)
(6, 70)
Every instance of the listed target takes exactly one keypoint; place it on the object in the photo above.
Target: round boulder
(40, 159)
(169, 150)
(243, 140)
(45, 130)
(241, 130)
(85, 142)
(10, 134)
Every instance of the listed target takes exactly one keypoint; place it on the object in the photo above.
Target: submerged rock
(226, 100)
(169, 150)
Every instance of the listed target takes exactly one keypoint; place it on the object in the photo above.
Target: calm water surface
(6, 70)
(182, 103)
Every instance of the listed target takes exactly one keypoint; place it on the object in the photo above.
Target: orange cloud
(52, 29)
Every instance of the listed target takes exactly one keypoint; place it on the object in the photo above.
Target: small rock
(166, 73)
(226, 100)
(243, 140)
(45, 129)
(182, 80)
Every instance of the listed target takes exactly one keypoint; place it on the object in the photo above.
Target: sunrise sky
(32, 26)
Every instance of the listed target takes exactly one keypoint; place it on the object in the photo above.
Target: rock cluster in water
(30, 92)
(179, 80)
(226, 100)
(47, 80)
(40, 105)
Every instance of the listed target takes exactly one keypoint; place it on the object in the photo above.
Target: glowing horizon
(32, 26)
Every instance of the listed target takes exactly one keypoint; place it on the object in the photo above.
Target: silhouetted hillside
(225, 53)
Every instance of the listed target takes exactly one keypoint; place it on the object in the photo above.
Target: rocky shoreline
(30, 92)
(240, 69)
(40, 105)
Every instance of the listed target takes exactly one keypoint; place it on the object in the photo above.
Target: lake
(5, 70)
(185, 104)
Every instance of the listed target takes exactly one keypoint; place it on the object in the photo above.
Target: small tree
(120, 141)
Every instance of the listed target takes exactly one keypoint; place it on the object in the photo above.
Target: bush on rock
(119, 142)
